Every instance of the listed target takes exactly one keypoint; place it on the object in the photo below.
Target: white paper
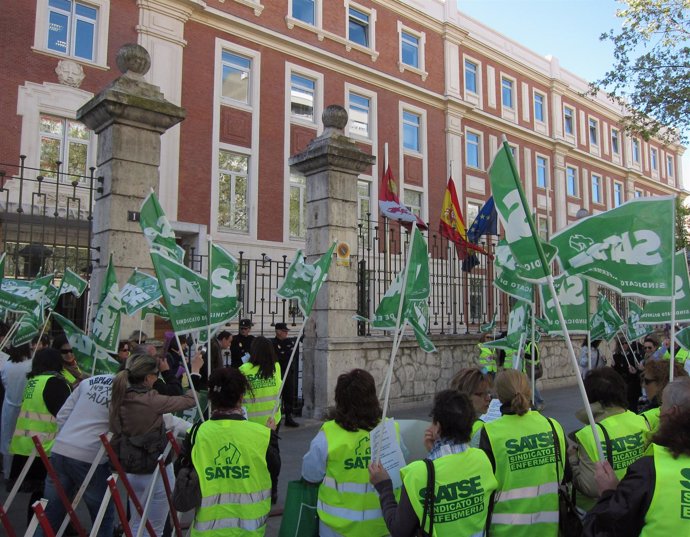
(384, 444)
(493, 413)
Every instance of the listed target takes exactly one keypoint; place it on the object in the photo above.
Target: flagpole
(10, 334)
(672, 350)
(189, 378)
(533, 355)
(276, 405)
(397, 337)
(631, 349)
(209, 348)
(386, 228)
(625, 354)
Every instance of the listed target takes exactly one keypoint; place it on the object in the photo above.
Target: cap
(281, 326)
(246, 323)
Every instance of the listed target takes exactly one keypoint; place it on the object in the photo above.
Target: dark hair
(226, 386)
(44, 340)
(59, 341)
(605, 386)
(137, 367)
(594, 343)
(46, 360)
(19, 353)
(453, 411)
(356, 404)
(264, 355)
(654, 341)
(122, 343)
(223, 334)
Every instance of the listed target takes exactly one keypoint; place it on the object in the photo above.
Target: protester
(486, 360)
(454, 463)
(123, 349)
(619, 429)
(531, 348)
(228, 505)
(284, 345)
(241, 343)
(45, 392)
(652, 498)
(590, 355)
(652, 350)
(14, 380)
(655, 378)
(70, 368)
(477, 386)
(175, 353)
(528, 463)
(139, 435)
(625, 364)
(356, 511)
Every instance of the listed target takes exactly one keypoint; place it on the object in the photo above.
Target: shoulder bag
(569, 522)
(428, 500)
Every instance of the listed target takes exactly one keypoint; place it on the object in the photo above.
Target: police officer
(283, 346)
(241, 343)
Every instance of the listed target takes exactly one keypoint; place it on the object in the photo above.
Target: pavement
(561, 404)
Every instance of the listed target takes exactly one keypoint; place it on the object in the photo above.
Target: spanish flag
(452, 225)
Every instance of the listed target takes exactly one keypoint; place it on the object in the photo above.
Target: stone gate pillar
(331, 164)
(129, 116)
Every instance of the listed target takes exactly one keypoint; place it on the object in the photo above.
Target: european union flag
(486, 222)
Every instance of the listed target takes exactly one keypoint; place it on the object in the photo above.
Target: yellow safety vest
(260, 401)
(669, 511)
(34, 419)
(508, 361)
(230, 459)
(485, 359)
(463, 486)
(526, 503)
(651, 416)
(681, 356)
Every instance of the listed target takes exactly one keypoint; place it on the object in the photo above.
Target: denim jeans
(71, 474)
(159, 509)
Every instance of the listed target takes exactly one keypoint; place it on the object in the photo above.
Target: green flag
(507, 278)
(303, 281)
(518, 325)
(683, 337)
(157, 229)
(72, 283)
(488, 327)
(224, 271)
(605, 322)
(86, 350)
(29, 326)
(634, 328)
(105, 329)
(155, 308)
(140, 290)
(628, 248)
(24, 295)
(532, 255)
(185, 293)
(573, 295)
(659, 312)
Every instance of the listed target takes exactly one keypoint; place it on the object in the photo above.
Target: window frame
(403, 123)
(573, 192)
(593, 134)
(250, 84)
(414, 209)
(419, 69)
(65, 142)
(479, 149)
(243, 152)
(670, 166)
(615, 135)
(317, 13)
(572, 122)
(372, 127)
(635, 148)
(542, 106)
(301, 186)
(600, 185)
(653, 159)
(513, 102)
(545, 160)
(317, 107)
(369, 27)
(475, 75)
(618, 189)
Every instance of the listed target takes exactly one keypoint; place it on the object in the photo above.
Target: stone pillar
(331, 164)
(129, 116)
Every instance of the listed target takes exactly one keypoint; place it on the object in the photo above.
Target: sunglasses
(65, 351)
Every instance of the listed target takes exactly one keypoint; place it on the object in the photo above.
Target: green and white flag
(155, 308)
(157, 229)
(86, 350)
(659, 312)
(105, 329)
(24, 295)
(518, 327)
(605, 322)
(507, 278)
(635, 329)
(29, 326)
(629, 248)
(303, 281)
(488, 327)
(72, 283)
(224, 271)
(140, 290)
(683, 338)
(573, 295)
(529, 250)
(185, 293)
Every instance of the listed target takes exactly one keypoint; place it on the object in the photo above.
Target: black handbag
(569, 521)
(428, 500)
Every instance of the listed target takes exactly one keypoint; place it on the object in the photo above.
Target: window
(359, 115)
(363, 200)
(636, 150)
(470, 76)
(409, 49)
(615, 141)
(571, 181)
(507, 92)
(472, 212)
(569, 121)
(72, 28)
(653, 158)
(542, 172)
(596, 189)
(233, 191)
(236, 76)
(543, 227)
(617, 194)
(473, 150)
(539, 107)
(358, 27)
(669, 166)
(413, 200)
(302, 92)
(593, 131)
(66, 141)
(304, 10)
(638, 193)
(298, 206)
(411, 127)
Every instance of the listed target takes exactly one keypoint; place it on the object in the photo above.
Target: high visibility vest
(681, 356)
(347, 502)
(651, 417)
(476, 426)
(230, 459)
(627, 432)
(534, 355)
(526, 503)
(462, 492)
(34, 419)
(260, 401)
(508, 361)
(669, 511)
(69, 377)
(485, 359)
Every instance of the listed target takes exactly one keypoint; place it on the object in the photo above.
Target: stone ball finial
(334, 117)
(133, 59)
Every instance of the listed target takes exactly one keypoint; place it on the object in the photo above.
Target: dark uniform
(283, 348)
(241, 344)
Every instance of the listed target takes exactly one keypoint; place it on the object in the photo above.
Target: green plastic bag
(300, 518)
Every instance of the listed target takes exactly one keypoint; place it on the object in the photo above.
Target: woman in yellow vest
(487, 356)
(477, 386)
(338, 459)
(653, 499)
(464, 480)
(70, 368)
(655, 377)
(44, 394)
(234, 460)
(626, 431)
(528, 462)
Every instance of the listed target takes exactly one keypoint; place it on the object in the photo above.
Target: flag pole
(625, 354)
(189, 378)
(533, 354)
(625, 335)
(209, 243)
(397, 337)
(672, 350)
(276, 405)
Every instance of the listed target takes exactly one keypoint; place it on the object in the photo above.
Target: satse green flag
(105, 329)
(140, 290)
(518, 324)
(157, 229)
(507, 278)
(573, 295)
(86, 350)
(24, 295)
(629, 248)
(634, 328)
(659, 312)
(155, 308)
(683, 338)
(29, 326)
(224, 271)
(605, 322)
(72, 283)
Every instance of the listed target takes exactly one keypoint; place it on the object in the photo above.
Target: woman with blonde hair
(477, 386)
(527, 452)
(136, 418)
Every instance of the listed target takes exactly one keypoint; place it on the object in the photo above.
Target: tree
(651, 72)
(682, 221)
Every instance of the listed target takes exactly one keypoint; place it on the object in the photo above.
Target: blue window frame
(72, 28)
